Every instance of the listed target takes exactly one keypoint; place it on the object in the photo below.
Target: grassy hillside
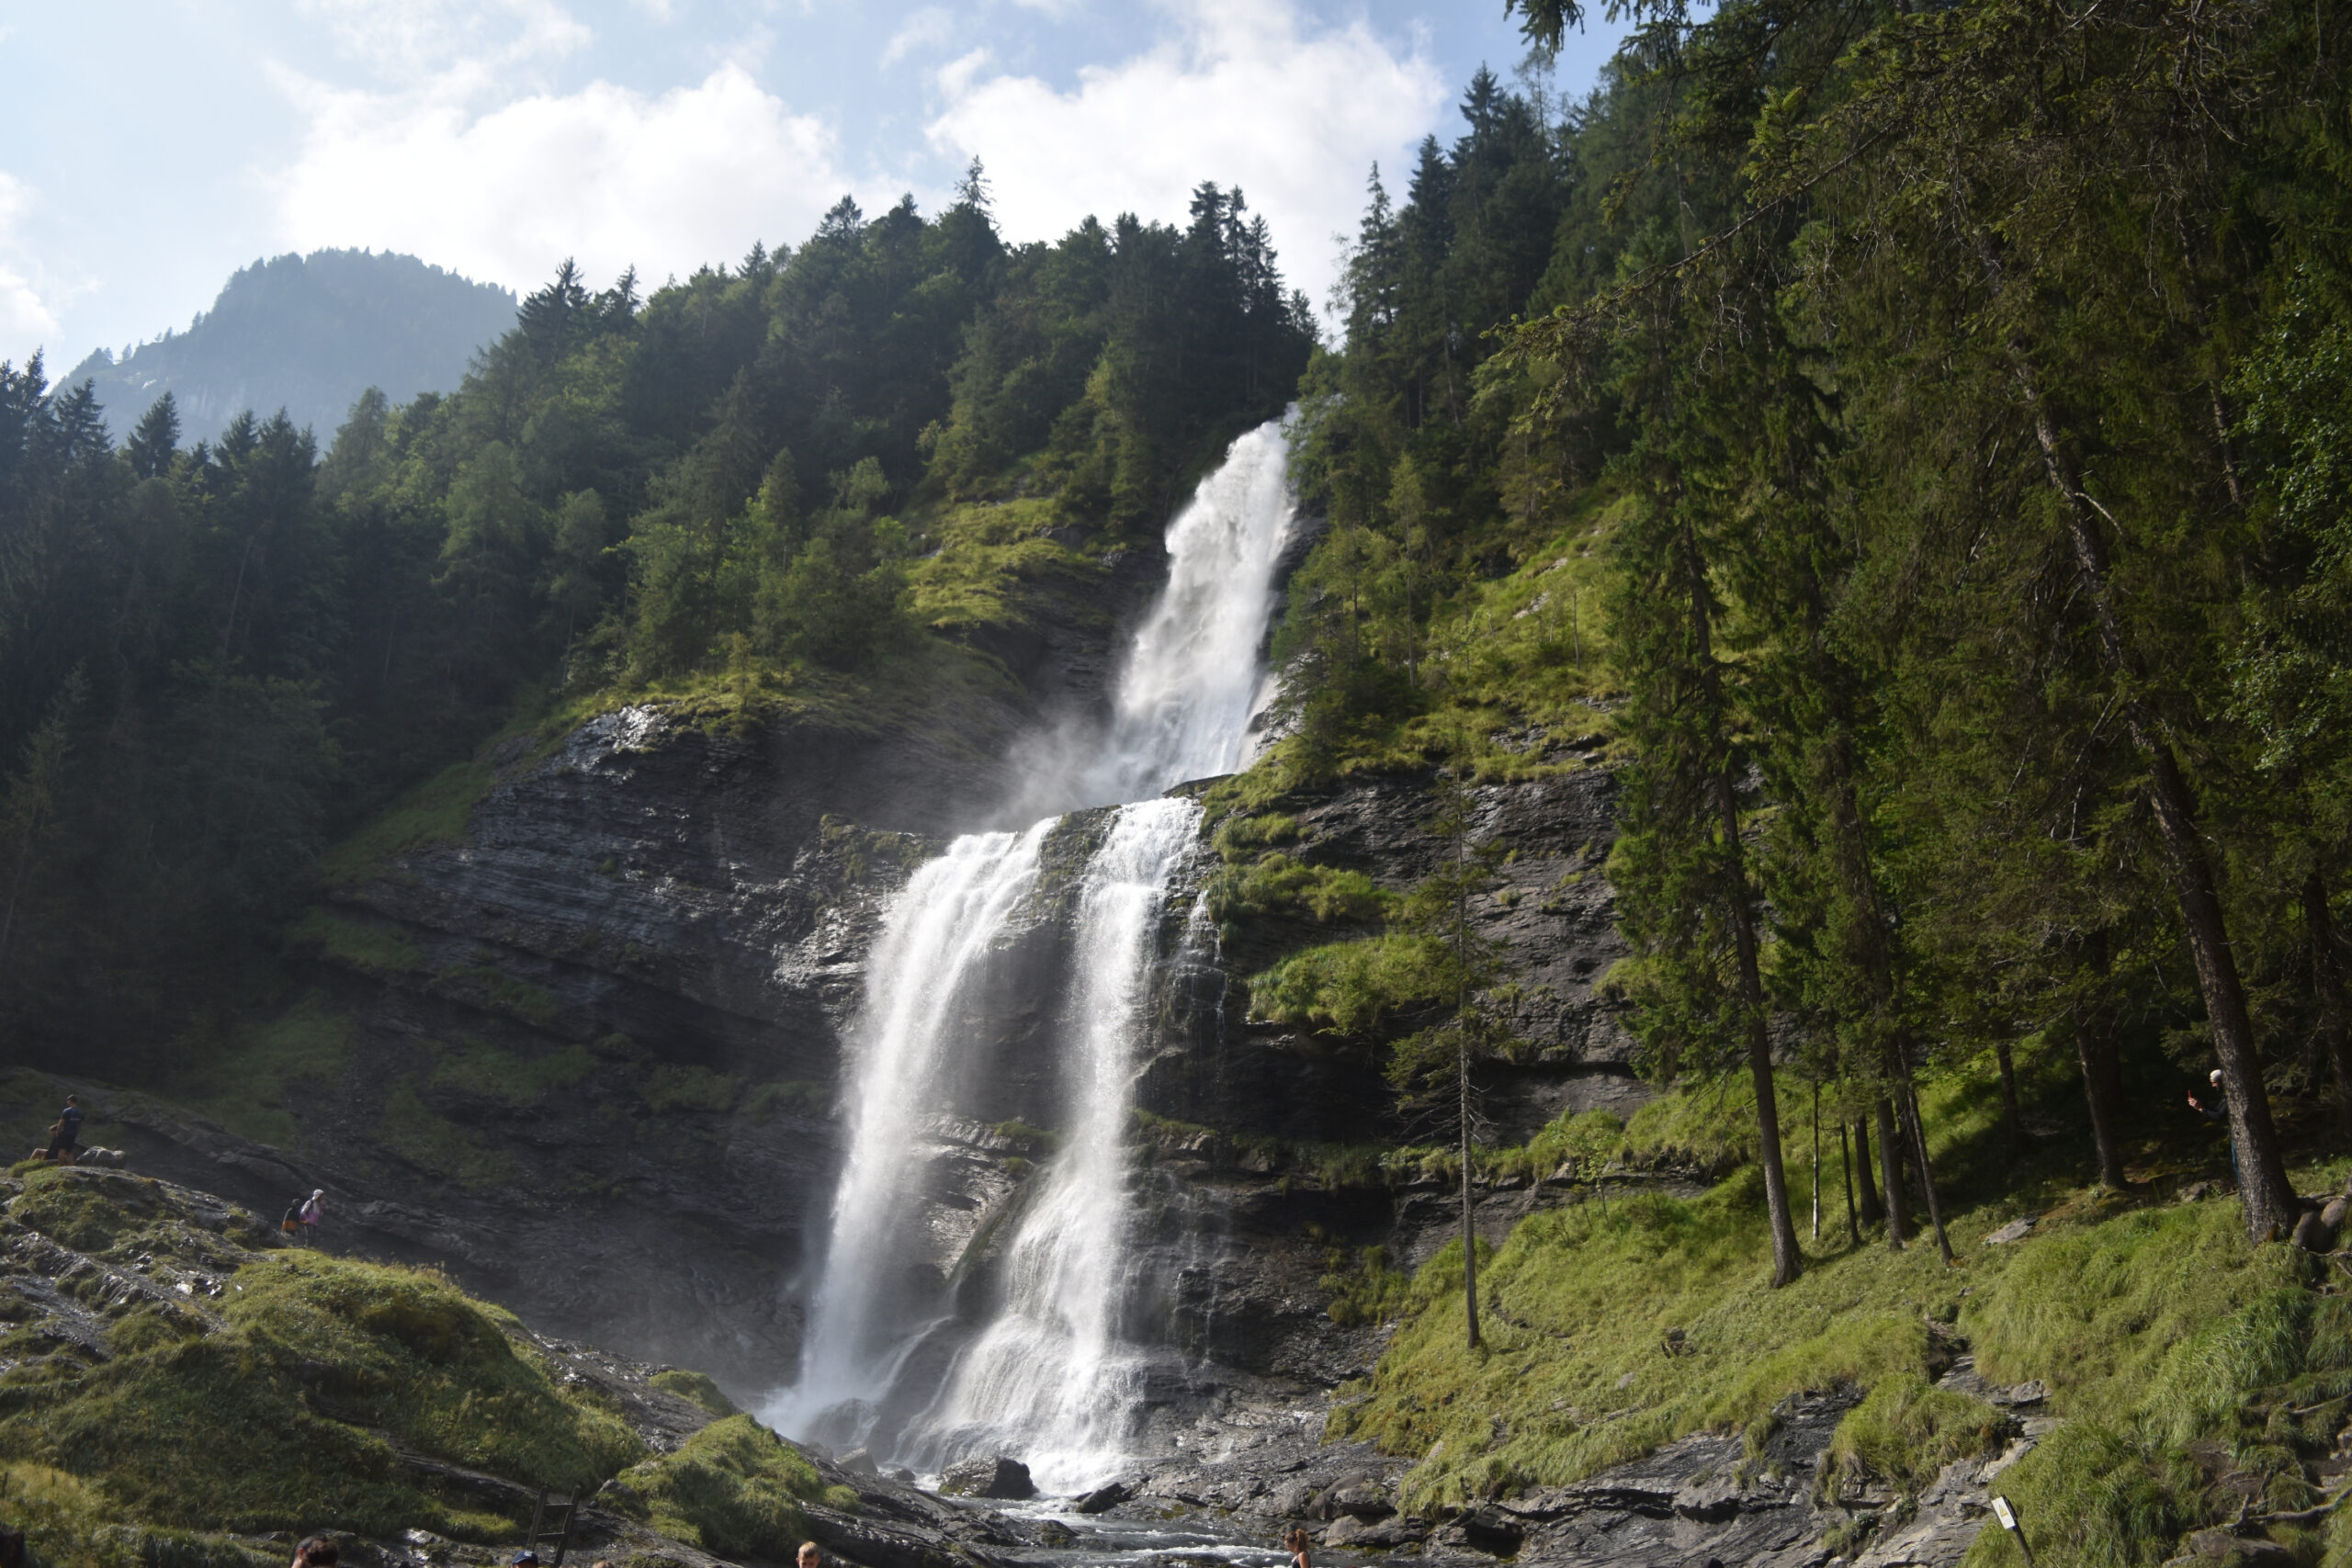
(176, 1384)
(2200, 1378)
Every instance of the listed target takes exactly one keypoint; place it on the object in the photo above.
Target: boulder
(1361, 1497)
(860, 1462)
(1708, 1501)
(1102, 1499)
(2221, 1546)
(996, 1476)
(1297, 1500)
(2016, 1230)
(2313, 1234)
(1350, 1533)
(900, 1475)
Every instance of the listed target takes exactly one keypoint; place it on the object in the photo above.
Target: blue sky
(154, 147)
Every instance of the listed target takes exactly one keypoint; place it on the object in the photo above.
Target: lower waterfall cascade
(1051, 1377)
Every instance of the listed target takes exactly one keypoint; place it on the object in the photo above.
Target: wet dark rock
(1488, 1530)
(860, 1462)
(1102, 1499)
(995, 1476)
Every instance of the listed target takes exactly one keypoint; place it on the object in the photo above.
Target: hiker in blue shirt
(67, 1132)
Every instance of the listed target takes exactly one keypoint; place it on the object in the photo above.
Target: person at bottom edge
(1298, 1543)
(318, 1552)
(809, 1557)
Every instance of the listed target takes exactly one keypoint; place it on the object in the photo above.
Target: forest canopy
(1909, 444)
(215, 657)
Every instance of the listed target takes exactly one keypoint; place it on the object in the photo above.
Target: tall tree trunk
(1786, 1259)
(1872, 1211)
(2327, 978)
(2271, 1208)
(1926, 1169)
(1846, 1169)
(1737, 906)
(2009, 1111)
(1890, 1159)
(1817, 1164)
(2103, 1088)
(1469, 1213)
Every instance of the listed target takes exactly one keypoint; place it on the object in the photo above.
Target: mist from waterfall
(1051, 1379)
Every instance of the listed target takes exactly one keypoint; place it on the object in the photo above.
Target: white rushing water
(1051, 1379)
(1192, 679)
(940, 933)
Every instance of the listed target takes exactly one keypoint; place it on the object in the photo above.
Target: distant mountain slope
(308, 333)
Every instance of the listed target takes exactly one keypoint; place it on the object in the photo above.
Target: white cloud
(926, 29)
(27, 320)
(1246, 94)
(612, 176)
(414, 39)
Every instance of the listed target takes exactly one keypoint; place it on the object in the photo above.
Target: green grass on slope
(2179, 1352)
(734, 1489)
(291, 1408)
(281, 1420)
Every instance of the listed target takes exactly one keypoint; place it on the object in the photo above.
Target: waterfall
(1050, 1378)
(1192, 679)
(941, 930)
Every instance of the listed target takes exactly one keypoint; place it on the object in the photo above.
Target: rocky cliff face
(587, 1054)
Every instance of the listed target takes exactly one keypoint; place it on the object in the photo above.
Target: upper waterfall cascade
(1050, 1377)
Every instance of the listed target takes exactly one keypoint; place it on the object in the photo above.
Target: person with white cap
(2219, 1110)
(313, 1210)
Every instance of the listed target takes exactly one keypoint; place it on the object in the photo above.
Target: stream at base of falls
(895, 1359)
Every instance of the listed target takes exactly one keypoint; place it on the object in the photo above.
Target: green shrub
(1364, 1289)
(1275, 884)
(734, 1489)
(1349, 988)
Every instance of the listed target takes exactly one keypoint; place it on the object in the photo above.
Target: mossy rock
(289, 1411)
(696, 1388)
(735, 1489)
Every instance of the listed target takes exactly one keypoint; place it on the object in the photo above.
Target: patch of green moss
(433, 1143)
(364, 944)
(273, 1422)
(696, 1388)
(485, 1072)
(1363, 1289)
(84, 1210)
(675, 1086)
(434, 812)
(1275, 884)
(495, 988)
(267, 1065)
(1027, 1139)
(734, 1489)
(1349, 988)
(786, 1097)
